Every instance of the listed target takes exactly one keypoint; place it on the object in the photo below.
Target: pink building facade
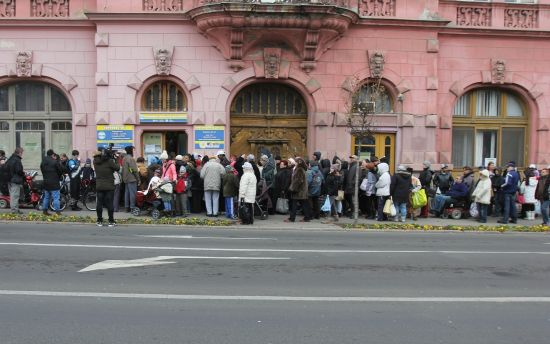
(453, 82)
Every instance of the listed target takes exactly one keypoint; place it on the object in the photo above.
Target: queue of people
(315, 187)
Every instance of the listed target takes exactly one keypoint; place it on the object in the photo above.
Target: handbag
(326, 205)
(419, 199)
(281, 206)
(167, 188)
(340, 196)
(244, 213)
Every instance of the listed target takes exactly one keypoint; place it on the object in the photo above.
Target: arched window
(489, 123)
(376, 96)
(268, 99)
(164, 96)
(36, 116)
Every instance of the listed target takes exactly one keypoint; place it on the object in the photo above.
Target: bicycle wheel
(63, 201)
(90, 201)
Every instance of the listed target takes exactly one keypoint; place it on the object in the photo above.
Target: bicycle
(88, 195)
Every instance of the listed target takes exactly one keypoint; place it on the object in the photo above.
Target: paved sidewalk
(277, 221)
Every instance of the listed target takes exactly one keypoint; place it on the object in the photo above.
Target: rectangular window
(513, 145)
(29, 97)
(462, 106)
(32, 138)
(5, 143)
(59, 102)
(487, 103)
(486, 146)
(463, 146)
(4, 106)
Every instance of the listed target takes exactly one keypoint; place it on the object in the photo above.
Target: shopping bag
(388, 208)
(326, 206)
(281, 206)
(244, 213)
(419, 199)
(364, 184)
(474, 211)
(340, 196)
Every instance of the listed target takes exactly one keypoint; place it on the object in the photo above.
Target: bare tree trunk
(356, 194)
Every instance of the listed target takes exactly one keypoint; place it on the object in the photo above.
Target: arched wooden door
(269, 117)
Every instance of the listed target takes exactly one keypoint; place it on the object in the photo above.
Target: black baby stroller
(263, 201)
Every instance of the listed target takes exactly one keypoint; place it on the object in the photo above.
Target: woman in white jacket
(482, 195)
(383, 189)
(247, 191)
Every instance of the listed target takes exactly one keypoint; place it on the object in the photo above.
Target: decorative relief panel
(499, 71)
(272, 62)
(377, 8)
(7, 8)
(163, 61)
(341, 3)
(23, 64)
(49, 8)
(473, 16)
(162, 5)
(521, 18)
(376, 63)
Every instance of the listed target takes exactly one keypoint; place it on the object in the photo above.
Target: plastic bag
(419, 199)
(389, 208)
(474, 211)
(364, 184)
(281, 206)
(326, 206)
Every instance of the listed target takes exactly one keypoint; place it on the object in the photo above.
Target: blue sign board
(119, 135)
(210, 137)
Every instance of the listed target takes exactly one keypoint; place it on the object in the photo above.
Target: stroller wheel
(264, 215)
(136, 211)
(3, 204)
(456, 214)
(155, 214)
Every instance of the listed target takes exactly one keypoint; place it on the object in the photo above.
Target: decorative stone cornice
(309, 29)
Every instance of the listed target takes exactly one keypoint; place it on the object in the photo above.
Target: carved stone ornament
(23, 64)
(377, 8)
(272, 62)
(163, 61)
(7, 8)
(376, 63)
(50, 8)
(499, 71)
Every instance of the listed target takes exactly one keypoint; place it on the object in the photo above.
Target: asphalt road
(80, 284)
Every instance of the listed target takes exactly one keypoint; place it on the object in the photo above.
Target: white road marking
(511, 299)
(168, 248)
(195, 237)
(115, 264)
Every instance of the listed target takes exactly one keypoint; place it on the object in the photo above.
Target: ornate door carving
(269, 117)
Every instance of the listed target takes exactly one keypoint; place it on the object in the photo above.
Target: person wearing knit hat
(250, 157)
(169, 171)
(164, 155)
(179, 157)
(427, 164)
(181, 192)
(230, 191)
(291, 162)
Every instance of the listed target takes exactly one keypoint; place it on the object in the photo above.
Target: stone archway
(269, 117)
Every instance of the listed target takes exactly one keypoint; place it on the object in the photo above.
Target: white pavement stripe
(195, 237)
(264, 249)
(511, 299)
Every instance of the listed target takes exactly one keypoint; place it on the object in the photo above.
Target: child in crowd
(230, 190)
(181, 192)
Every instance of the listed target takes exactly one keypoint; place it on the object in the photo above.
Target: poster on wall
(488, 160)
(163, 117)
(119, 135)
(210, 137)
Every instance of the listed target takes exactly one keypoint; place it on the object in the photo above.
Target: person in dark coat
(425, 178)
(282, 180)
(197, 188)
(17, 178)
(230, 191)
(400, 190)
(333, 183)
(51, 173)
(105, 167)
(299, 191)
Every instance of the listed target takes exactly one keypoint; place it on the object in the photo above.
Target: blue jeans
(401, 211)
(510, 210)
(544, 209)
(483, 212)
(229, 213)
(439, 202)
(54, 194)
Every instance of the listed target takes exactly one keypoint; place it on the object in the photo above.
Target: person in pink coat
(168, 168)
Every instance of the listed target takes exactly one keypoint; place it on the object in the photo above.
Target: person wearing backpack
(443, 179)
(73, 166)
(314, 181)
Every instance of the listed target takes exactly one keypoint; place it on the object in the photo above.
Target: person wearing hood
(51, 173)
(315, 182)
(482, 194)
(382, 189)
(105, 168)
(230, 191)
(426, 177)
(400, 190)
(317, 157)
(211, 174)
(247, 191)
(299, 191)
(179, 162)
(325, 167)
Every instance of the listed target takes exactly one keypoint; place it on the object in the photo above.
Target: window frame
(388, 90)
(164, 102)
(497, 123)
(261, 90)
